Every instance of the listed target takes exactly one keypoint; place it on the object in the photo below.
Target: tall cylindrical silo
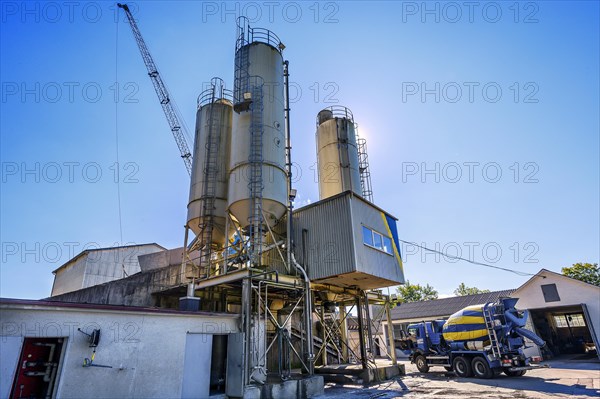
(210, 166)
(258, 138)
(337, 152)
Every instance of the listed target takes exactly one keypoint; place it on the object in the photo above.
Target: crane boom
(177, 128)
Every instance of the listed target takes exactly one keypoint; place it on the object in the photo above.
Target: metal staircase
(489, 324)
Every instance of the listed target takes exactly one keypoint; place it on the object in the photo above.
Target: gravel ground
(562, 380)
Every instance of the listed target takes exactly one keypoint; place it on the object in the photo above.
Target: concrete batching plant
(294, 276)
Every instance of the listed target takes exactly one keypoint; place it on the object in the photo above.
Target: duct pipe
(307, 316)
(288, 148)
(532, 336)
(515, 319)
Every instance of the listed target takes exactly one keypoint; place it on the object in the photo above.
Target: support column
(247, 323)
(370, 341)
(361, 333)
(344, 333)
(184, 256)
(390, 333)
(323, 337)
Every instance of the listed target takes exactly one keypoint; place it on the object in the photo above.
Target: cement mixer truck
(480, 340)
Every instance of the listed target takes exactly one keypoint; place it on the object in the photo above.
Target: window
(560, 321)
(387, 245)
(572, 320)
(550, 293)
(413, 331)
(377, 240)
(367, 236)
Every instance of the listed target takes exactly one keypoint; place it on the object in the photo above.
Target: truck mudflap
(524, 368)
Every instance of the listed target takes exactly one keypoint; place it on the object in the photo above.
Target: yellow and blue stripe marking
(467, 324)
(392, 231)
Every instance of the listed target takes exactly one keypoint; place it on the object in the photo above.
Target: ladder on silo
(241, 84)
(489, 324)
(255, 184)
(211, 153)
(365, 172)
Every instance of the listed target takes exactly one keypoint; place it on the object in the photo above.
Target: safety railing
(246, 35)
(334, 111)
(215, 92)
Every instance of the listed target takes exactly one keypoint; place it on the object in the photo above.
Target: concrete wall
(170, 257)
(100, 266)
(146, 349)
(570, 291)
(136, 290)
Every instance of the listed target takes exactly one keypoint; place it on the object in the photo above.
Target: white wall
(145, 349)
(570, 291)
(70, 277)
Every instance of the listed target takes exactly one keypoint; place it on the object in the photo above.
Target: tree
(586, 272)
(415, 292)
(463, 290)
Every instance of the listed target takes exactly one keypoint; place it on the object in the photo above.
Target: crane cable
(517, 272)
(118, 165)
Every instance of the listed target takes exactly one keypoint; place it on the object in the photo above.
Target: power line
(517, 272)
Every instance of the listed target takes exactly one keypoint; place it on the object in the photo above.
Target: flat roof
(34, 303)
(343, 194)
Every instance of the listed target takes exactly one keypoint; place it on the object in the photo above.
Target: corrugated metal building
(345, 240)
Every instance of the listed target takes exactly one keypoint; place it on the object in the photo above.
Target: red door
(37, 368)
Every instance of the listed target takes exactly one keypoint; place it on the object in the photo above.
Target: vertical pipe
(246, 297)
(184, 255)
(344, 333)
(307, 318)
(323, 337)
(361, 333)
(288, 154)
(390, 332)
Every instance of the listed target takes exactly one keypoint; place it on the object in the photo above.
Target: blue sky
(482, 125)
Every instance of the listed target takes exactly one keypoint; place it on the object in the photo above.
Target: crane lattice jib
(177, 128)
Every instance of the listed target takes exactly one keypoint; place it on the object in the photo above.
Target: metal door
(37, 368)
(196, 366)
(234, 384)
(590, 325)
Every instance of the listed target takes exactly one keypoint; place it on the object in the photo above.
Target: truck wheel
(421, 363)
(462, 367)
(481, 368)
(519, 373)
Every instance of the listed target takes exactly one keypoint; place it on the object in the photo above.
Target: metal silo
(337, 152)
(258, 180)
(207, 208)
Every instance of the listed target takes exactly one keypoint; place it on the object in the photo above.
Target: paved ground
(565, 379)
